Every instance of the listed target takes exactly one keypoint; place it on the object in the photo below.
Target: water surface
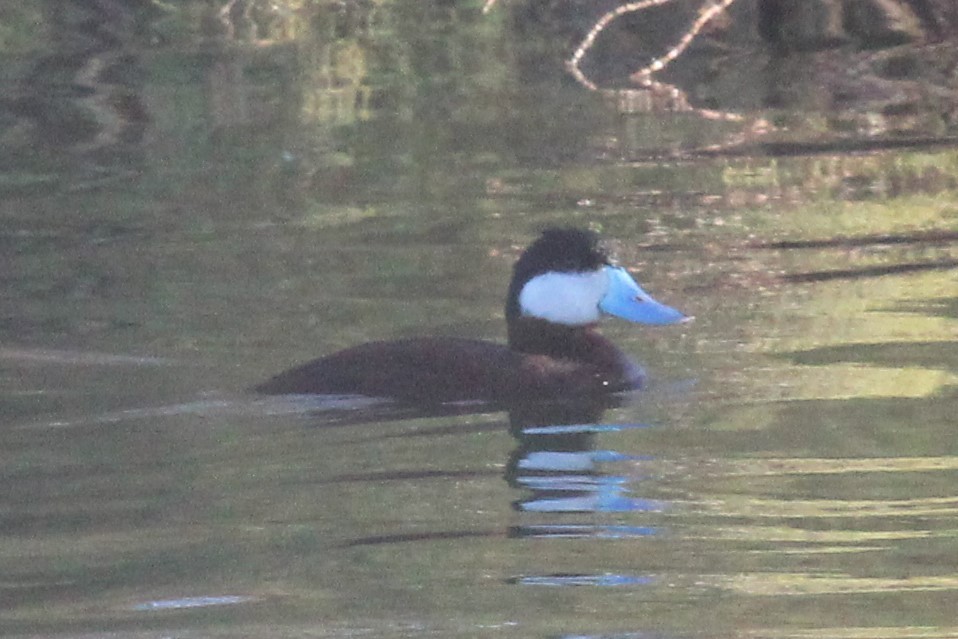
(790, 472)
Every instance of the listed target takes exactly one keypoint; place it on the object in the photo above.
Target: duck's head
(567, 278)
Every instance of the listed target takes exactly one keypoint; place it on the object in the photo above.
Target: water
(791, 471)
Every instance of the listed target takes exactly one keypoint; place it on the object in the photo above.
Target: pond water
(248, 203)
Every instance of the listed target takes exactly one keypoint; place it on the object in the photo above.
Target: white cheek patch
(565, 298)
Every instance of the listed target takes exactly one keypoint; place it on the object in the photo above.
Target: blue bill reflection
(562, 471)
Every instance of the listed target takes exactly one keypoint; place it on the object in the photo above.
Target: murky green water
(792, 471)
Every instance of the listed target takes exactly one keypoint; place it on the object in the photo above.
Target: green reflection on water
(377, 180)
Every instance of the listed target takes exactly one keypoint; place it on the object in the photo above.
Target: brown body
(561, 362)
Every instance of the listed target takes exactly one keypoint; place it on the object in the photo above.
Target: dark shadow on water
(936, 236)
(937, 355)
(937, 307)
(870, 271)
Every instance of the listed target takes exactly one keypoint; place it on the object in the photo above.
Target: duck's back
(441, 369)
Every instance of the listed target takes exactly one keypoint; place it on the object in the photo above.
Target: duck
(562, 286)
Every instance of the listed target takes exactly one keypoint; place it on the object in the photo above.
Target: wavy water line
(746, 506)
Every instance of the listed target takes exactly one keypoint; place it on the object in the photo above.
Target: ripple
(193, 602)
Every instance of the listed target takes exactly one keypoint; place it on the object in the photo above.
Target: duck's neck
(581, 343)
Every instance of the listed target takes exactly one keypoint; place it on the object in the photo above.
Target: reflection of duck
(561, 286)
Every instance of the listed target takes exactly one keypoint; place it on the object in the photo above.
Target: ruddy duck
(562, 285)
